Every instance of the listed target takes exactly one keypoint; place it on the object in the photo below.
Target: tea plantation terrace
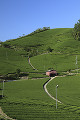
(26, 99)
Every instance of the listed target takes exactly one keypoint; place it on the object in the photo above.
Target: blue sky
(18, 17)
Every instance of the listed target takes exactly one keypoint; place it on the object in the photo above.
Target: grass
(25, 90)
(11, 60)
(38, 112)
(37, 75)
(59, 62)
(27, 100)
(68, 91)
(60, 40)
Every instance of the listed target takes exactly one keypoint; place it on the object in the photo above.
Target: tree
(23, 34)
(46, 28)
(76, 31)
(18, 72)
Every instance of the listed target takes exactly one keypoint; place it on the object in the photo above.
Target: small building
(51, 73)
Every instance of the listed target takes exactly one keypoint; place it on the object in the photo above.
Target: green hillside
(59, 62)
(68, 90)
(59, 40)
(14, 53)
(11, 60)
(28, 58)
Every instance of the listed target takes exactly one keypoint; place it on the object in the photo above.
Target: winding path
(31, 64)
(45, 88)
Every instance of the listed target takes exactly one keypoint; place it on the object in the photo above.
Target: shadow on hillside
(1, 97)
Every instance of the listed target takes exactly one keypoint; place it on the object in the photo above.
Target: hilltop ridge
(59, 40)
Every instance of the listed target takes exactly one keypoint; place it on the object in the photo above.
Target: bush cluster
(40, 30)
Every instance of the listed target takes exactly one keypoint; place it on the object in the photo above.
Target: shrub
(11, 77)
(6, 45)
(49, 49)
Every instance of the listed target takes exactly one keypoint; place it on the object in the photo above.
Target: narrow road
(45, 88)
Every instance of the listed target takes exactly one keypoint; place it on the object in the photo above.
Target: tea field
(59, 62)
(11, 60)
(54, 38)
(27, 100)
(14, 53)
(60, 40)
(68, 90)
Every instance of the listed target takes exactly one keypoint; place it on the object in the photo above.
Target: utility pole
(76, 59)
(76, 64)
(3, 89)
(56, 95)
(6, 55)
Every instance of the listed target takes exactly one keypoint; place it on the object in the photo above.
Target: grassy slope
(26, 91)
(64, 52)
(27, 100)
(57, 62)
(61, 62)
(60, 40)
(40, 106)
(68, 91)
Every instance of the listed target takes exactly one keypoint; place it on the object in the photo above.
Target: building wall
(51, 73)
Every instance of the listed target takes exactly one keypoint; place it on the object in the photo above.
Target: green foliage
(49, 49)
(40, 30)
(11, 77)
(76, 32)
(6, 45)
(22, 74)
(18, 71)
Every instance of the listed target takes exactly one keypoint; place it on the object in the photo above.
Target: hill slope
(52, 48)
(60, 39)
(14, 53)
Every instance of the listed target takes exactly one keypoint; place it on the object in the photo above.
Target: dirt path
(4, 116)
(45, 88)
(31, 64)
